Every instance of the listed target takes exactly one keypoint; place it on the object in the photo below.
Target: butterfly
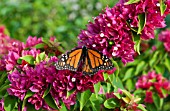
(92, 61)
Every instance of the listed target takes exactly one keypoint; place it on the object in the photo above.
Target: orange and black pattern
(92, 60)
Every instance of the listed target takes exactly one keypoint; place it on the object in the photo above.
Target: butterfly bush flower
(164, 37)
(111, 30)
(153, 83)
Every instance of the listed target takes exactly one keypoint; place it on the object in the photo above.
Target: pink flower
(111, 34)
(2, 65)
(66, 80)
(32, 41)
(11, 60)
(164, 36)
(143, 83)
(6, 43)
(156, 81)
(2, 105)
(148, 98)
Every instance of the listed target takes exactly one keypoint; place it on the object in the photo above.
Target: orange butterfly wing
(86, 68)
(96, 61)
(70, 60)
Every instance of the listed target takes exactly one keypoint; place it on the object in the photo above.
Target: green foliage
(61, 18)
(64, 19)
(142, 22)
(83, 98)
(50, 101)
(148, 60)
(4, 83)
(111, 103)
(9, 102)
(132, 1)
(28, 58)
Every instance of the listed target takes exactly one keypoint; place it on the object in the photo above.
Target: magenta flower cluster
(39, 77)
(6, 43)
(164, 37)
(111, 30)
(153, 83)
(44, 75)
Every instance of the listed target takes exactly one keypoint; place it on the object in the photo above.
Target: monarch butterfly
(92, 61)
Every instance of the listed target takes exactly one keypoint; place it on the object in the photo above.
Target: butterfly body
(92, 61)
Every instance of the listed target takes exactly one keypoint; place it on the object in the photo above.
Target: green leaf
(130, 84)
(63, 107)
(70, 92)
(164, 92)
(40, 46)
(140, 67)
(162, 6)
(97, 88)
(85, 108)
(42, 55)
(151, 107)
(127, 94)
(9, 102)
(28, 58)
(161, 102)
(3, 89)
(117, 82)
(111, 103)
(141, 107)
(131, 2)
(31, 107)
(142, 22)
(19, 61)
(134, 63)
(156, 100)
(108, 87)
(3, 77)
(154, 58)
(37, 59)
(118, 95)
(167, 63)
(160, 68)
(51, 54)
(105, 75)
(47, 91)
(95, 102)
(50, 101)
(137, 46)
(117, 67)
(137, 40)
(138, 92)
(129, 74)
(83, 98)
(28, 94)
(46, 41)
